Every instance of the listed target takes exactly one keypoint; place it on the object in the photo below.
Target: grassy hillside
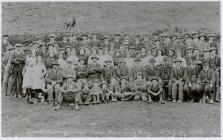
(22, 18)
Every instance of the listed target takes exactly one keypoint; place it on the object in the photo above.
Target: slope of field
(22, 18)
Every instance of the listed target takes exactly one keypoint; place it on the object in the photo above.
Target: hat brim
(177, 61)
(95, 57)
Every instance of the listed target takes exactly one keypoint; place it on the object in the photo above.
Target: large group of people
(83, 70)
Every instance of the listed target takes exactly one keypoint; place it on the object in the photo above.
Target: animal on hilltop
(70, 23)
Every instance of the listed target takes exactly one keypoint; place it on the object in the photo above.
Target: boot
(179, 101)
(57, 107)
(211, 98)
(77, 107)
(203, 98)
(169, 98)
(113, 98)
(174, 100)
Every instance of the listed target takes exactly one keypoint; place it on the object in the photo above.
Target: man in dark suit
(177, 78)
(205, 82)
(191, 75)
(18, 61)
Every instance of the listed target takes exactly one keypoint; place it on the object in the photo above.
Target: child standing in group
(28, 75)
(39, 72)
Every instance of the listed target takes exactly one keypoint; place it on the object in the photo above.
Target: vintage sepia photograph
(110, 69)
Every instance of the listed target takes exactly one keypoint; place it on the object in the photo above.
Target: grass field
(112, 119)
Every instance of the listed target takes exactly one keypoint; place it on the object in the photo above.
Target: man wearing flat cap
(196, 41)
(94, 42)
(166, 45)
(164, 74)
(5, 43)
(137, 43)
(146, 41)
(203, 44)
(155, 90)
(107, 72)
(191, 74)
(74, 43)
(151, 70)
(121, 70)
(105, 44)
(84, 41)
(65, 41)
(62, 62)
(94, 69)
(126, 39)
(142, 53)
(7, 73)
(205, 82)
(215, 65)
(177, 78)
(140, 87)
(189, 54)
(137, 68)
(70, 92)
(18, 61)
(50, 58)
(54, 80)
(117, 40)
(212, 42)
(52, 39)
(179, 46)
(189, 41)
(81, 72)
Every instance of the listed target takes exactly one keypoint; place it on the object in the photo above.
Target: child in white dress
(39, 72)
(27, 74)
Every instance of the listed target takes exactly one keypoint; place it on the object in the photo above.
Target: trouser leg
(174, 90)
(217, 93)
(14, 82)
(143, 96)
(161, 97)
(5, 82)
(9, 86)
(19, 86)
(181, 91)
(77, 98)
(60, 97)
(57, 91)
(188, 91)
(107, 96)
(50, 92)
